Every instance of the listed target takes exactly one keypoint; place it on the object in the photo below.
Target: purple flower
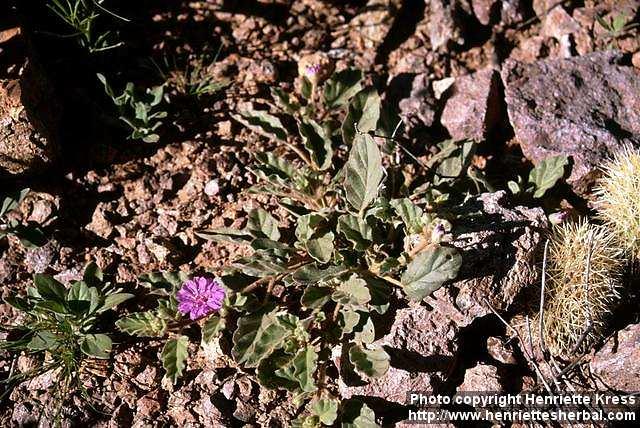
(200, 296)
(313, 69)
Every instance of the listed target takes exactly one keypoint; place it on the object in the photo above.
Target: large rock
(617, 364)
(586, 107)
(28, 124)
(444, 23)
(499, 247)
(473, 108)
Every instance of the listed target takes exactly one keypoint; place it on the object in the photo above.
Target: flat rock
(484, 9)
(29, 117)
(617, 364)
(499, 247)
(586, 107)
(473, 108)
(482, 377)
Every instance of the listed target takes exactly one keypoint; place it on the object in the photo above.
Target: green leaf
(366, 333)
(258, 265)
(79, 291)
(92, 275)
(11, 201)
(321, 248)
(19, 303)
(224, 234)
(53, 306)
(326, 409)
(356, 230)
(410, 213)
(306, 226)
(165, 282)
(310, 274)
(272, 164)
(369, 363)
(380, 291)
(144, 324)
(284, 101)
(49, 288)
(350, 318)
(43, 341)
(363, 172)
(113, 300)
(454, 158)
(356, 414)
(352, 293)
(261, 224)
(317, 143)
(339, 89)
(212, 326)
(315, 297)
(262, 123)
(257, 335)
(96, 345)
(547, 173)
(429, 271)
(301, 369)
(174, 357)
(363, 114)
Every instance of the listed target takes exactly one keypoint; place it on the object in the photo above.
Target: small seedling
(30, 235)
(138, 110)
(542, 177)
(63, 327)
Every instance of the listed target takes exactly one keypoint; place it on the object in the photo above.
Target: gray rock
(473, 108)
(29, 116)
(617, 364)
(499, 246)
(419, 110)
(585, 107)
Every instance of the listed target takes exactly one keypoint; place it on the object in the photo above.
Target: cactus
(583, 271)
(618, 200)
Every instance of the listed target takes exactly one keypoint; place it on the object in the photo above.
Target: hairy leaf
(96, 345)
(356, 230)
(314, 297)
(301, 369)
(369, 363)
(306, 226)
(11, 201)
(257, 335)
(363, 114)
(317, 143)
(410, 213)
(339, 89)
(174, 357)
(49, 288)
(363, 172)
(429, 271)
(43, 340)
(326, 409)
(547, 173)
(356, 414)
(262, 123)
(261, 224)
(224, 234)
(310, 274)
(212, 326)
(352, 293)
(321, 248)
(145, 324)
(113, 300)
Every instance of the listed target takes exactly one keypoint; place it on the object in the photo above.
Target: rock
(39, 259)
(473, 108)
(586, 107)
(148, 406)
(444, 26)
(422, 344)
(513, 12)
(561, 26)
(499, 254)
(29, 116)
(482, 377)
(100, 225)
(484, 9)
(369, 29)
(617, 364)
(499, 351)
(419, 110)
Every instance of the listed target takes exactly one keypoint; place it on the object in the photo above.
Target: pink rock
(617, 364)
(473, 108)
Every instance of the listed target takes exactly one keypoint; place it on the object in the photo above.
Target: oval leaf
(429, 270)
(363, 172)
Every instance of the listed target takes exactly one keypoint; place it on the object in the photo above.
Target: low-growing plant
(63, 328)
(193, 79)
(542, 177)
(318, 288)
(30, 235)
(616, 27)
(138, 110)
(82, 17)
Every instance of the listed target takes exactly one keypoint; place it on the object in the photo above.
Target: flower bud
(558, 217)
(316, 68)
(438, 233)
